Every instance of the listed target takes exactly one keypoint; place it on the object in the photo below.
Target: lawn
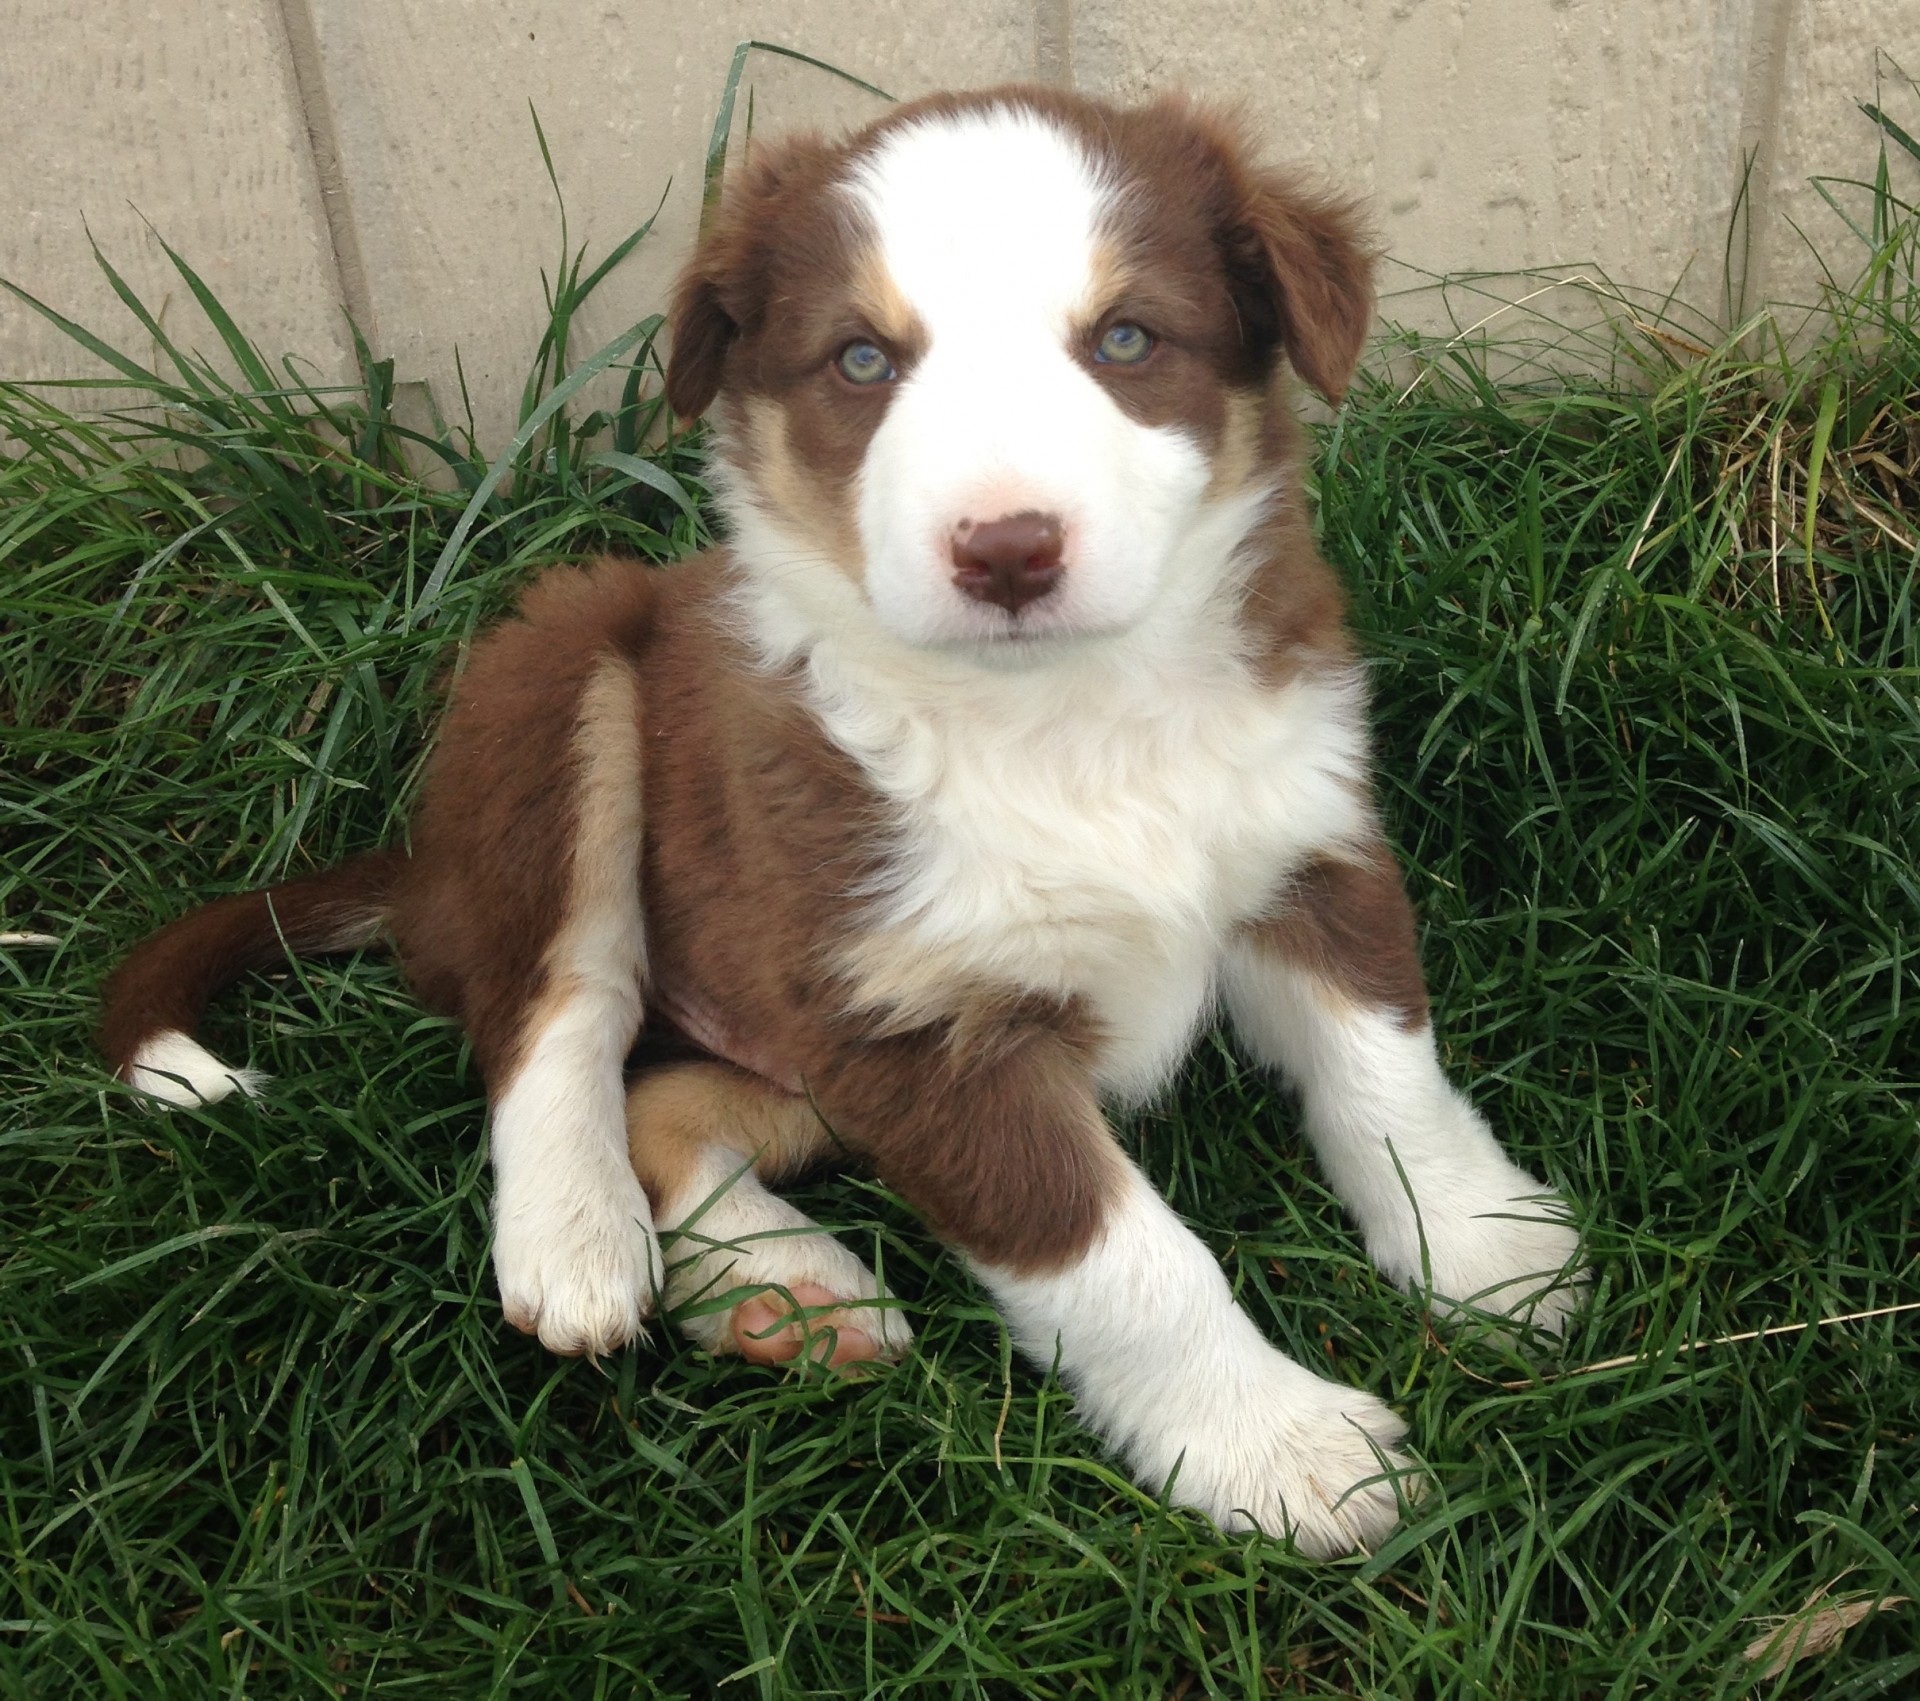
(1648, 683)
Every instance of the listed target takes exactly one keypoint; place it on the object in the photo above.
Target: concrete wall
(306, 155)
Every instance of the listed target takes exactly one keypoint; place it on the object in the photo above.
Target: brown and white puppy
(1014, 732)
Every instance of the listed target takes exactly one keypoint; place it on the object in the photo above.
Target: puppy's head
(989, 367)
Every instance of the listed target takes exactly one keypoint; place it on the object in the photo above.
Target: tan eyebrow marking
(877, 298)
(1109, 280)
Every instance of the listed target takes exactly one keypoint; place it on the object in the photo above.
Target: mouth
(1027, 636)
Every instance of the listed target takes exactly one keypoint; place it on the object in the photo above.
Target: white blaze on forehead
(986, 218)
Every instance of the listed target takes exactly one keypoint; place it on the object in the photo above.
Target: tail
(154, 999)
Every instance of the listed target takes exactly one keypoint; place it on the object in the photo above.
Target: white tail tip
(177, 1070)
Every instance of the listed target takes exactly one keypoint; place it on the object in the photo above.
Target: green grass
(1649, 717)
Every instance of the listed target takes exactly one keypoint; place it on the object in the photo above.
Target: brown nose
(1011, 562)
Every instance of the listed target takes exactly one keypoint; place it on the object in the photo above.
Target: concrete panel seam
(1760, 105)
(336, 200)
(1053, 42)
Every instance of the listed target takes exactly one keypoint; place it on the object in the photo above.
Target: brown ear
(724, 287)
(702, 331)
(1302, 273)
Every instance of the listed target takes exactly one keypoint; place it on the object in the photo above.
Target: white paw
(1495, 1240)
(746, 1239)
(1288, 1452)
(579, 1268)
(1520, 1259)
(1178, 1380)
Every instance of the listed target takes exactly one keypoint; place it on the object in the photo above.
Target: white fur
(725, 1235)
(989, 226)
(573, 1243)
(178, 1070)
(1172, 1374)
(1456, 1215)
(1099, 831)
(1097, 825)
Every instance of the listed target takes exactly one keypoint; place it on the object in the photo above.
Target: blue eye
(1123, 345)
(863, 363)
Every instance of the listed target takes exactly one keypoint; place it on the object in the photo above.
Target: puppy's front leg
(1012, 1162)
(1331, 993)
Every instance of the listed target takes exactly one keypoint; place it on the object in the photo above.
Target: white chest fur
(1094, 827)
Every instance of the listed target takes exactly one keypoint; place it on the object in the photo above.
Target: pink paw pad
(769, 1330)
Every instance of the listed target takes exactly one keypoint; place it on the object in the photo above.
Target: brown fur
(675, 1112)
(999, 1143)
(166, 981)
(976, 1103)
(475, 915)
(813, 507)
(1350, 925)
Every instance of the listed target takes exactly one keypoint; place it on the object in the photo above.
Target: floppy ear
(702, 331)
(1301, 271)
(723, 288)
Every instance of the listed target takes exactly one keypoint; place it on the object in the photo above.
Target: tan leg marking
(674, 1114)
(688, 1129)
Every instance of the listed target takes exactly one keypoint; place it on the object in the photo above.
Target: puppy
(1014, 733)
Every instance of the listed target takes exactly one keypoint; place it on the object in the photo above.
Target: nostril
(1009, 562)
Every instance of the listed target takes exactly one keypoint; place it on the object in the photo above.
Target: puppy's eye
(863, 363)
(1124, 345)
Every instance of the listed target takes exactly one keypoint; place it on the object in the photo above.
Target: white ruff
(1174, 1376)
(1096, 823)
(178, 1070)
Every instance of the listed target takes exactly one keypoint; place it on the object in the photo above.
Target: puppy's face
(987, 367)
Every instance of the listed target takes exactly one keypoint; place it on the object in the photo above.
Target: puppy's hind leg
(524, 917)
(747, 1271)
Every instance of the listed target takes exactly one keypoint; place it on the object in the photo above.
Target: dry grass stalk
(1625, 1360)
(1813, 1630)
